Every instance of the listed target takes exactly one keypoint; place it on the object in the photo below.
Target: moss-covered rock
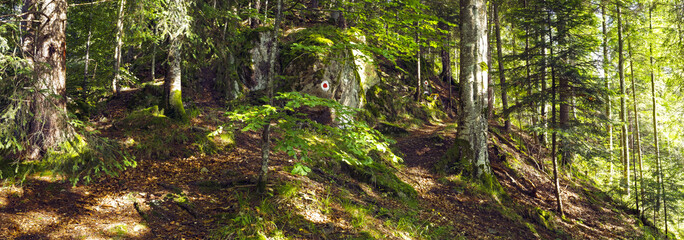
(147, 118)
(391, 129)
(326, 54)
(382, 177)
(457, 160)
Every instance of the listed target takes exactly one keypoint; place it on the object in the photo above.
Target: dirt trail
(589, 212)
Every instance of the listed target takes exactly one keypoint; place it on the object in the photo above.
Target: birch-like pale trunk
(472, 121)
(87, 55)
(117, 48)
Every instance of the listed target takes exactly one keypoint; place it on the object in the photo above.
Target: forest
(341, 119)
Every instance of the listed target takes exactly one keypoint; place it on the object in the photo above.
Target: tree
(502, 75)
(44, 47)
(176, 24)
(637, 137)
(117, 48)
(266, 134)
(554, 127)
(472, 121)
(606, 80)
(624, 139)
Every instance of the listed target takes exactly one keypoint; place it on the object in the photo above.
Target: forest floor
(181, 191)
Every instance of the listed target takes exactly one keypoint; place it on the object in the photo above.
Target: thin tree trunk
(502, 74)
(559, 202)
(472, 122)
(607, 83)
(266, 135)
(544, 118)
(655, 120)
(446, 63)
(490, 81)
(117, 48)
(623, 104)
(153, 71)
(87, 56)
(44, 48)
(637, 136)
(662, 185)
(419, 92)
(528, 77)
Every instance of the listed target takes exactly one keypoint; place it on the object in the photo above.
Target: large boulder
(323, 55)
(253, 71)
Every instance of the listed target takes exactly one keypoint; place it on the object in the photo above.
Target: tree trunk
(637, 137)
(44, 46)
(502, 75)
(253, 21)
(563, 90)
(655, 118)
(543, 110)
(472, 122)
(418, 57)
(87, 56)
(528, 77)
(117, 48)
(607, 83)
(446, 65)
(490, 81)
(559, 202)
(172, 82)
(266, 135)
(153, 71)
(623, 105)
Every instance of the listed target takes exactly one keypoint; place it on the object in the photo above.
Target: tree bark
(655, 122)
(543, 110)
(117, 48)
(502, 74)
(637, 137)
(554, 127)
(173, 80)
(87, 56)
(266, 135)
(44, 47)
(472, 120)
(153, 71)
(607, 82)
(623, 104)
(418, 57)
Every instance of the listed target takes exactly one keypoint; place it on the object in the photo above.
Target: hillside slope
(187, 188)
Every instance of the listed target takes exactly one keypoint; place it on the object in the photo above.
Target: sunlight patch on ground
(36, 221)
(111, 216)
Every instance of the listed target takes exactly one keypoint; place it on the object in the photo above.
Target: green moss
(176, 109)
(146, 118)
(379, 175)
(544, 218)
(457, 159)
(532, 229)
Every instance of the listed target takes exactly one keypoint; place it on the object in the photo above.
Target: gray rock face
(349, 73)
(254, 74)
